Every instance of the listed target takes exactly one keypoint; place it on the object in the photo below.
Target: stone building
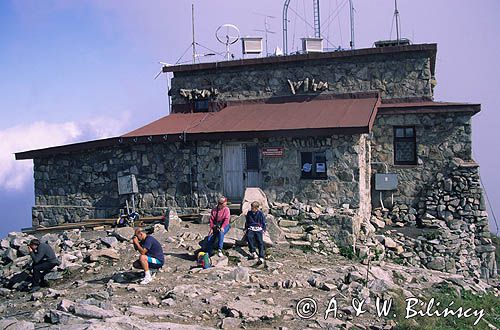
(309, 128)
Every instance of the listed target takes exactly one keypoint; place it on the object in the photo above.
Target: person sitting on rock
(151, 254)
(44, 259)
(255, 226)
(219, 225)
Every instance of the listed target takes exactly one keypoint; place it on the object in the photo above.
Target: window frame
(314, 175)
(405, 138)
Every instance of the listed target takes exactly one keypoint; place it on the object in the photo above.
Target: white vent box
(386, 181)
(127, 185)
(251, 45)
(312, 45)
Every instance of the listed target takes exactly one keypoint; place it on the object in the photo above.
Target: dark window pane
(306, 159)
(404, 151)
(400, 132)
(409, 132)
(201, 105)
(252, 155)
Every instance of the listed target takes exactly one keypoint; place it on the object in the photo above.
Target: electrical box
(312, 45)
(251, 45)
(386, 181)
(127, 185)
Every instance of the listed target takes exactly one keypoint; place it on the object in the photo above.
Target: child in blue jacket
(255, 226)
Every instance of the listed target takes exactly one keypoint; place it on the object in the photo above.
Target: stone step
(288, 223)
(295, 236)
(299, 243)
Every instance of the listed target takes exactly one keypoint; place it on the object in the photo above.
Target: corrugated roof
(256, 117)
(346, 115)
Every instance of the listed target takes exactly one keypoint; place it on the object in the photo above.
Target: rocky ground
(95, 287)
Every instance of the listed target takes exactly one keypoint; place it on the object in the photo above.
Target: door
(252, 166)
(232, 157)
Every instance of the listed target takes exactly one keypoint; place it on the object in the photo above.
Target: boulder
(94, 255)
(124, 233)
(109, 241)
(252, 195)
(15, 324)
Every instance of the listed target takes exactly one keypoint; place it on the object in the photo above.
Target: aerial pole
(396, 14)
(193, 43)
(317, 23)
(351, 5)
(285, 27)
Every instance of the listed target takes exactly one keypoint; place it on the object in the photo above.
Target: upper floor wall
(396, 72)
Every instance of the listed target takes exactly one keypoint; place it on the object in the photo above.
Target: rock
(63, 318)
(219, 261)
(124, 233)
(300, 244)
(377, 223)
(153, 301)
(250, 309)
(389, 243)
(94, 255)
(252, 195)
(14, 324)
(288, 223)
(239, 274)
(437, 264)
(109, 241)
(230, 323)
(91, 311)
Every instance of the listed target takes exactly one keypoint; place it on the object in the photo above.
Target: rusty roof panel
(254, 117)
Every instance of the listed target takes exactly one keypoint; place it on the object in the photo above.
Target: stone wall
(448, 230)
(397, 75)
(281, 176)
(439, 137)
(186, 176)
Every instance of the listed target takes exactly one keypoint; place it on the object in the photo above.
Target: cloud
(14, 175)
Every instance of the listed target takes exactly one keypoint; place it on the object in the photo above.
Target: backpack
(203, 260)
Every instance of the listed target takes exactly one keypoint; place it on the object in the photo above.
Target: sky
(75, 71)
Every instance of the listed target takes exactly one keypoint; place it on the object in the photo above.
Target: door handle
(244, 176)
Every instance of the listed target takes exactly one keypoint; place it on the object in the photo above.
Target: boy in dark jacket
(255, 226)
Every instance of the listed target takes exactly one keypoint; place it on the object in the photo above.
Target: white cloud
(15, 174)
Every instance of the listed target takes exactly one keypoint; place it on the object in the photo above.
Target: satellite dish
(227, 34)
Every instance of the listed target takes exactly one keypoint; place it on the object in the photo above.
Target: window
(201, 105)
(313, 165)
(405, 146)
(252, 157)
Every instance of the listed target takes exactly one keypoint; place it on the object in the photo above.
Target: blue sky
(74, 71)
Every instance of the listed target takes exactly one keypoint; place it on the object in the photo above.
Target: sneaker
(146, 280)
(261, 261)
(219, 253)
(253, 256)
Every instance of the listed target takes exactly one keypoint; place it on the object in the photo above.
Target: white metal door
(232, 155)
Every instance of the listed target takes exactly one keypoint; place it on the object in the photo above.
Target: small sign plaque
(273, 152)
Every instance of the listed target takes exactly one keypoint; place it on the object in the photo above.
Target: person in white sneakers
(219, 226)
(255, 226)
(151, 254)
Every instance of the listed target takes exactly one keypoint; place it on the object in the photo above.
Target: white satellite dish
(227, 34)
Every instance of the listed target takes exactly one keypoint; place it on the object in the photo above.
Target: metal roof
(350, 114)
(339, 114)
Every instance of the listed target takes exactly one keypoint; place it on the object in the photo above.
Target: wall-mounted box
(251, 45)
(386, 181)
(127, 185)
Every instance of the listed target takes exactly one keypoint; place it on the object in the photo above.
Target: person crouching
(255, 226)
(151, 254)
(44, 259)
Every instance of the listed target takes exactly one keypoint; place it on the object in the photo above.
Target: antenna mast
(285, 27)
(351, 5)
(396, 15)
(194, 43)
(317, 23)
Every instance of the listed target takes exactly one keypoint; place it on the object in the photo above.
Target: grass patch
(445, 295)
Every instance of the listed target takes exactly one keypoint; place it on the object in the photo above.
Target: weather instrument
(227, 34)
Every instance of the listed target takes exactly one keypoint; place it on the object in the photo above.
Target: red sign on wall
(273, 152)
